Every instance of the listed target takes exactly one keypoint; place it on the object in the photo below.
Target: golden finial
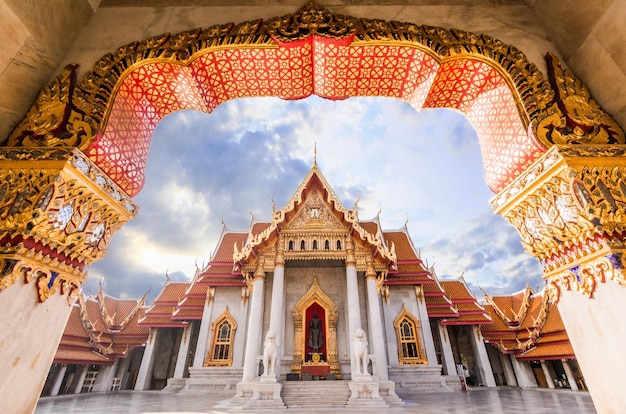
(315, 154)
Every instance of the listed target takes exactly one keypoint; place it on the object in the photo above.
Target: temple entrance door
(315, 334)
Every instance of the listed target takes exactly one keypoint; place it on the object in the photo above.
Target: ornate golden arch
(417, 332)
(315, 294)
(71, 114)
(223, 317)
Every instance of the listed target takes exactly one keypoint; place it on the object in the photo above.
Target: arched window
(221, 351)
(410, 349)
(338, 244)
(314, 244)
(290, 248)
(326, 245)
(302, 245)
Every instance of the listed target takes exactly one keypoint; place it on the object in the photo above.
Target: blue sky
(205, 168)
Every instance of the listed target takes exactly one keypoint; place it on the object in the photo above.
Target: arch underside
(329, 69)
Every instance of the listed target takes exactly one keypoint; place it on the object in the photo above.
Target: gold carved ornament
(574, 117)
(58, 211)
(64, 115)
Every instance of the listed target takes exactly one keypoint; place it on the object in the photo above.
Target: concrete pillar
(571, 379)
(546, 373)
(183, 351)
(278, 304)
(449, 366)
(255, 322)
(509, 372)
(427, 334)
(104, 380)
(205, 330)
(482, 358)
(82, 373)
(58, 380)
(376, 325)
(523, 373)
(144, 376)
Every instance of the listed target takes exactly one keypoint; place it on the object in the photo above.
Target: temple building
(309, 280)
(101, 346)
(535, 350)
(290, 299)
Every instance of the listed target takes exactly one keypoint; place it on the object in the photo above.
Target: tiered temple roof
(160, 314)
(527, 325)
(470, 312)
(100, 329)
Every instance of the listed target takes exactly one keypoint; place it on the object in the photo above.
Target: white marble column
(377, 333)
(205, 330)
(482, 358)
(352, 287)
(571, 379)
(278, 303)
(546, 373)
(255, 322)
(354, 307)
(104, 380)
(523, 373)
(82, 373)
(58, 380)
(509, 373)
(183, 351)
(145, 369)
(446, 350)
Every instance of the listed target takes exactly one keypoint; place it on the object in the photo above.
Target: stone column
(480, 352)
(546, 373)
(278, 303)
(183, 351)
(58, 380)
(82, 373)
(377, 332)
(523, 373)
(104, 380)
(571, 379)
(509, 373)
(446, 349)
(144, 376)
(44, 257)
(255, 322)
(205, 330)
(354, 307)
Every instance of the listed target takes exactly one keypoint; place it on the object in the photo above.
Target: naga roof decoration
(515, 317)
(470, 312)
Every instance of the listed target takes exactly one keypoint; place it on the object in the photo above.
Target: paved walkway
(478, 401)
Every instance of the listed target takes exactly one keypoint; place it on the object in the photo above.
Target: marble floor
(483, 401)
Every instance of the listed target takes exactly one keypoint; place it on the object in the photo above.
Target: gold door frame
(315, 294)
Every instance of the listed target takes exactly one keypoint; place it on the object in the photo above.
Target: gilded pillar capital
(569, 208)
(58, 214)
(350, 256)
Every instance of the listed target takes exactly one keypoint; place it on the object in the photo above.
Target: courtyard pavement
(503, 400)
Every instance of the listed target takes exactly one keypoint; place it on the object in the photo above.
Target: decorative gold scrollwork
(574, 117)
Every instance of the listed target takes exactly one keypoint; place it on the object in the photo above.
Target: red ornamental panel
(326, 68)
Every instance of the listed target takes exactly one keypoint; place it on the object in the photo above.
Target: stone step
(317, 394)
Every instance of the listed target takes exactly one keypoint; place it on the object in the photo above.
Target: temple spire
(315, 154)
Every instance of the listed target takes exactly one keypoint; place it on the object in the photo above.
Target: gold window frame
(407, 316)
(216, 341)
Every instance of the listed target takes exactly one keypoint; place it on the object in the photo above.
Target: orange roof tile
(404, 247)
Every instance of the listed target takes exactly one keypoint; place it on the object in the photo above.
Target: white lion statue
(270, 353)
(359, 352)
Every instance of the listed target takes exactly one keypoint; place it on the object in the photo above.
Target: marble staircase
(315, 394)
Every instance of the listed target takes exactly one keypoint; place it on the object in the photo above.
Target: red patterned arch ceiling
(325, 68)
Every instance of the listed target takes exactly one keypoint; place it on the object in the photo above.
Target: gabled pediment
(315, 224)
